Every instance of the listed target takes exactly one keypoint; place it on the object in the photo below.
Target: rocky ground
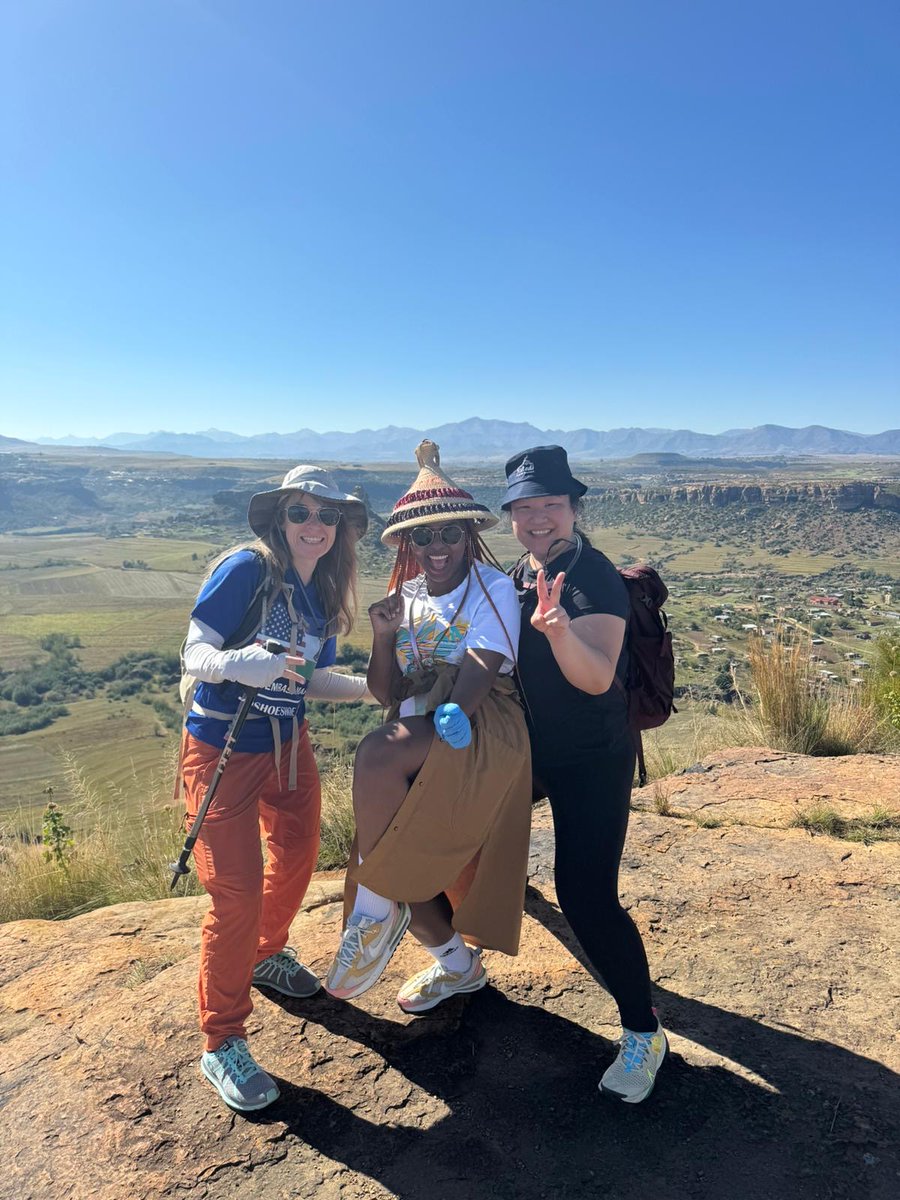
(775, 958)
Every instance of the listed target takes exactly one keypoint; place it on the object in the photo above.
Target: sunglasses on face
(424, 535)
(299, 514)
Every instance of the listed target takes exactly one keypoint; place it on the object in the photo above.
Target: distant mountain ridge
(478, 439)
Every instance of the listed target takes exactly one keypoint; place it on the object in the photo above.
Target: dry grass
(789, 710)
(662, 804)
(699, 734)
(793, 711)
(111, 861)
(338, 825)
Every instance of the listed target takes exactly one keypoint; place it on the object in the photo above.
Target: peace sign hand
(550, 618)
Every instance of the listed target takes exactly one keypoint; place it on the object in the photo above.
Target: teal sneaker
(632, 1076)
(238, 1077)
(286, 974)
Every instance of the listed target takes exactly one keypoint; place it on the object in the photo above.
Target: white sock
(453, 956)
(370, 904)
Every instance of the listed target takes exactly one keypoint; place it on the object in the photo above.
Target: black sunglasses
(423, 535)
(299, 514)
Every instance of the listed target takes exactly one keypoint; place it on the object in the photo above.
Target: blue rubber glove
(452, 726)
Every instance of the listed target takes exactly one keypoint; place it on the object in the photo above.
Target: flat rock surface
(756, 786)
(774, 955)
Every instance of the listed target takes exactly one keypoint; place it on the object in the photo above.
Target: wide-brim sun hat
(540, 471)
(315, 482)
(433, 499)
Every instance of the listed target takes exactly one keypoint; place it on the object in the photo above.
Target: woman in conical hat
(442, 791)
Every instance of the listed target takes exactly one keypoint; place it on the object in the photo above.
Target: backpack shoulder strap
(249, 625)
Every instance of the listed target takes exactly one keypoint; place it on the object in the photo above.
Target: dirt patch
(774, 955)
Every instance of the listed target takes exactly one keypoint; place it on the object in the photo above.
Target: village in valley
(100, 558)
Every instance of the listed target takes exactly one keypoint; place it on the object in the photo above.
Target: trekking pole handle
(182, 867)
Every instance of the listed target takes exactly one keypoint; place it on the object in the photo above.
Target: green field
(76, 584)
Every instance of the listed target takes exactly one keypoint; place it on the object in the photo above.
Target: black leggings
(590, 815)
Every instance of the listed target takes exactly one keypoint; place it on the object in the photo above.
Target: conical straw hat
(433, 499)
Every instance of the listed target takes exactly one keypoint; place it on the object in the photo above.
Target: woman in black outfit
(572, 649)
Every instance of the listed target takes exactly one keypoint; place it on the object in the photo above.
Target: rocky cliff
(774, 956)
(843, 497)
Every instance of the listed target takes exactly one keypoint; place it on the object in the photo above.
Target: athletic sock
(369, 903)
(453, 956)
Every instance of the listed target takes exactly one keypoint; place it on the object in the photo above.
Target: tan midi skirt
(464, 825)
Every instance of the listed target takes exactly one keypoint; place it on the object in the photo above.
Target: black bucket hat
(540, 471)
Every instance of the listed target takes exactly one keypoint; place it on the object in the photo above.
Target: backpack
(650, 687)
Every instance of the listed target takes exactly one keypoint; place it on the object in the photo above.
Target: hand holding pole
(182, 866)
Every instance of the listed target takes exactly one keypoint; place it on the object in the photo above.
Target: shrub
(355, 657)
(34, 718)
(167, 713)
(56, 836)
(56, 643)
(884, 686)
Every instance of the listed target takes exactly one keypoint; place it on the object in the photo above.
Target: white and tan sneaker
(428, 988)
(632, 1076)
(365, 950)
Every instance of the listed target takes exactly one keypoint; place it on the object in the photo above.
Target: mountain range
(477, 439)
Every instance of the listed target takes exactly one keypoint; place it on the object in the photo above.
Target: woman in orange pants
(295, 585)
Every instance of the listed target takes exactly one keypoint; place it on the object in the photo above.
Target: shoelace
(351, 944)
(238, 1061)
(283, 964)
(436, 973)
(635, 1048)
(430, 977)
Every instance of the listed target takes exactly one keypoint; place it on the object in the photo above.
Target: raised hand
(550, 617)
(386, 615)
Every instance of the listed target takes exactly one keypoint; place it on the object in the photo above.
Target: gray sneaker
(286, 974)
(632, 1076)
(237, 1077)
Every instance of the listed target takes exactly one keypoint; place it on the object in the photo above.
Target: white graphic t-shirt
(443, 628)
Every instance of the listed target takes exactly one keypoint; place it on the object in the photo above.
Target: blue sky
(334, 215)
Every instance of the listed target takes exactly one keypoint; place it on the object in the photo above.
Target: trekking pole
(234, 732)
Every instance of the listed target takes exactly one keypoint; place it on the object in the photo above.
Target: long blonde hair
(335, 574)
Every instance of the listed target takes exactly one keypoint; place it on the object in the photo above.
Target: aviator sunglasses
(299, 514)
(423, 535)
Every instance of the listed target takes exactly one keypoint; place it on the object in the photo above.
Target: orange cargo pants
(252, 906)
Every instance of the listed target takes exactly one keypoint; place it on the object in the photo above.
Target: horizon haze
(481, 439)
